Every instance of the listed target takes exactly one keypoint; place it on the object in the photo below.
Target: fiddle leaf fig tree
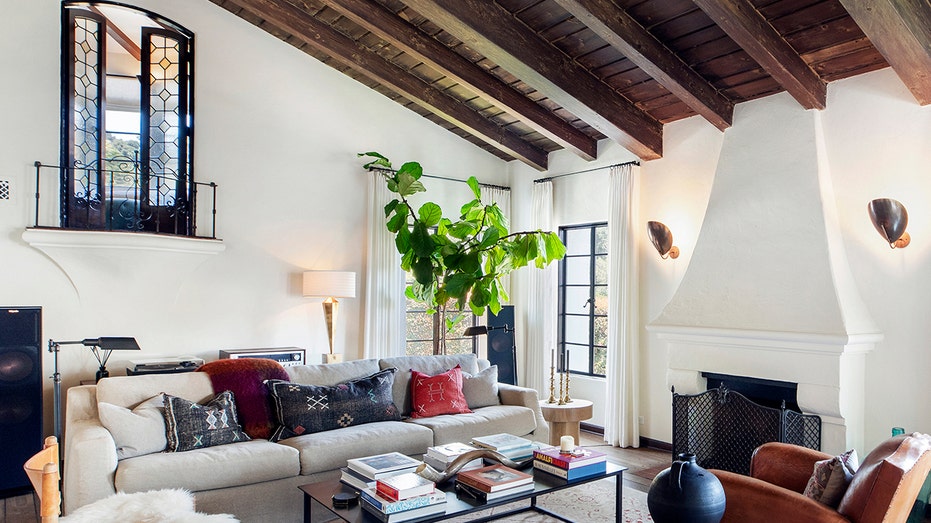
(457, 263)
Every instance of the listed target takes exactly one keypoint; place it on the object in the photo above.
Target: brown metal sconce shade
(661, 237)
(890, 219)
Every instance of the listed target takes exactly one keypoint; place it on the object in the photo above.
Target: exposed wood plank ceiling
(523, 78)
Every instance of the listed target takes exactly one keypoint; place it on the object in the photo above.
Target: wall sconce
(330, 285)
(105, 345)
(890, 218)
(661, 237)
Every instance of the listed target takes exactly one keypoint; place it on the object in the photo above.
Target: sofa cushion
(333, 373)
(190, 425)
(136, 432)
(305, 409)
(485, 421)
(435, 395)
(231, 465)
(129, 391)
(426, 364)
(330, 449)
(481, 389)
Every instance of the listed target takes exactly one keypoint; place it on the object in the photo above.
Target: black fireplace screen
(722, 427)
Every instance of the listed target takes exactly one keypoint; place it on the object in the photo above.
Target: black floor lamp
(101, 347)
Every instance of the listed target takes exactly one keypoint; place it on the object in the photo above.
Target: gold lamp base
(332, 358)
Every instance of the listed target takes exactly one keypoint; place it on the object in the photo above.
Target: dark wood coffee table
(321, 494)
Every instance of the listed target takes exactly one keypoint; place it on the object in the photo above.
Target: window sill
(80, 239)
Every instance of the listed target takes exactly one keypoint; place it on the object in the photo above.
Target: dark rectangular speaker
(501, 350)
(20, 395)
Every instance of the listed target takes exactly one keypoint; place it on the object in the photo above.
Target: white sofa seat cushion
(329, 450)
(332, 374)
(210, 468)
(485, 421)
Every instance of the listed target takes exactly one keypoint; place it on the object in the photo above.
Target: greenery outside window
(425, 330)
(583, 298)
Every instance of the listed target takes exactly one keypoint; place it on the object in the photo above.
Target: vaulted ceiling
(523, 78)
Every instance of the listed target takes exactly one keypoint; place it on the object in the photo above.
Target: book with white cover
(381, 465)
(501, 442)
(389, 506)
(449, 452)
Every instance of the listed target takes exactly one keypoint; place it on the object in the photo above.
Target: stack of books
(492, 482)
(441, 456)
(513, 447)
(361, 473)
(403, 497)
(579, 463)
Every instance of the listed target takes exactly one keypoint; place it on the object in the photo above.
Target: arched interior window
(127, 120)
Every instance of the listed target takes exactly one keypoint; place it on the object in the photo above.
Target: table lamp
(330, 285)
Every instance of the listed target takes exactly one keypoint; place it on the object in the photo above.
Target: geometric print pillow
(305, 409)
(436, 395)
(190, 425)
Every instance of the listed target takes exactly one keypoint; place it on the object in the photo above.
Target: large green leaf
(554, 246)
(412, 168)
(458, 284)
(470, 262)
(476, 189)
(430, 214)
(462, 230)
(489, 238)
(423, 270)
(408, 185)
(379, 161)
(399, 219)
(421, 241)
(403, 240)
(392, 205)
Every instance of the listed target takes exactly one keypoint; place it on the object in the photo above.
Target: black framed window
(583, 298)
(127, 78)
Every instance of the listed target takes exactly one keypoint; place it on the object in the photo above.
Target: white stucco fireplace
(757, 302)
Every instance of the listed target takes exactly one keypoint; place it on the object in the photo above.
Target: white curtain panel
(385, 304)
(502, 197)
(622, 414)
(541, 302)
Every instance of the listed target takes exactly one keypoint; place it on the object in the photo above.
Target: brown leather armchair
(883, 489)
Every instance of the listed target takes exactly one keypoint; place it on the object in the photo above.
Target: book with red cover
(404, 486)
(494, 478)
(579, 457)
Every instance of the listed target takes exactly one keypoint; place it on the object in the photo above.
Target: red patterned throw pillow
(435, 395)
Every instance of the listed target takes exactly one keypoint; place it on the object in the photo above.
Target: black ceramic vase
(686, 493)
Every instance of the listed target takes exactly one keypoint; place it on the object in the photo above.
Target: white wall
(278, 131)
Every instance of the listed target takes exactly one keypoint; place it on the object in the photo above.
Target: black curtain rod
(425, 175)
(551, 178)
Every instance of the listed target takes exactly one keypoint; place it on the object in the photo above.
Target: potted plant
(457, 263)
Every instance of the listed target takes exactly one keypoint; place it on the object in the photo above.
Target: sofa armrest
(786, 465)
(525, 397)
(750, 500)
(90, 453)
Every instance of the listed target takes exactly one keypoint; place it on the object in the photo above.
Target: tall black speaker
(20, 395)
(501, 350)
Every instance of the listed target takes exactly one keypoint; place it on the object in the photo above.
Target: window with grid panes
(583, 298)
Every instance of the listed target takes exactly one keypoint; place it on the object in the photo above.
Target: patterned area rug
(592, 502)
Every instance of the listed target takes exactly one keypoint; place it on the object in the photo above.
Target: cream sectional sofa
(257, 480)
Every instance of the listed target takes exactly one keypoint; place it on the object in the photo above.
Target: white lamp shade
(330, 284)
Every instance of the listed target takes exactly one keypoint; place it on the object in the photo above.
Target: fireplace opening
(769, 393)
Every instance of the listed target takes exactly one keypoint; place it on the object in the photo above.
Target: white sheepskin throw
(155, 506)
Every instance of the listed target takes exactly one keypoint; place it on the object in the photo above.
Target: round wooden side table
(564, 419)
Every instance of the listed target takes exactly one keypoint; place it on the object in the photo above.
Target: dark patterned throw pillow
(305, 409)
(190, 425)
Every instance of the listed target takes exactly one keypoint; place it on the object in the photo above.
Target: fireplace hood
(768, 292)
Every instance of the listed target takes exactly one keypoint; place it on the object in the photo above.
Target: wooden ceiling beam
(382, 22)
(751, 31)
(493, 31)
(901, 32)
(117, 34)
(625, 34)
(320, 36)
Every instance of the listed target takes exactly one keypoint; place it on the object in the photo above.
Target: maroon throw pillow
(435, 395)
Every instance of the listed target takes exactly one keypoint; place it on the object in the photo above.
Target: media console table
(321, 494)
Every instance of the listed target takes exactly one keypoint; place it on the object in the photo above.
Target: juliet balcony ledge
(45, 237)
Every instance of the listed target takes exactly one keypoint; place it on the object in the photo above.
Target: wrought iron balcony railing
(121, 197)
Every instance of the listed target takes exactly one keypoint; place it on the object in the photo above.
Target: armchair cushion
(829, 481)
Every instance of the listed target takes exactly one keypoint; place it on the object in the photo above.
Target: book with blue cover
(388, 506)
(501, 442)
(570, 474)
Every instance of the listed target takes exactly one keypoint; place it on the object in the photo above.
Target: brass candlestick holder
(561, 401)
(566, 399)
(552, 385)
